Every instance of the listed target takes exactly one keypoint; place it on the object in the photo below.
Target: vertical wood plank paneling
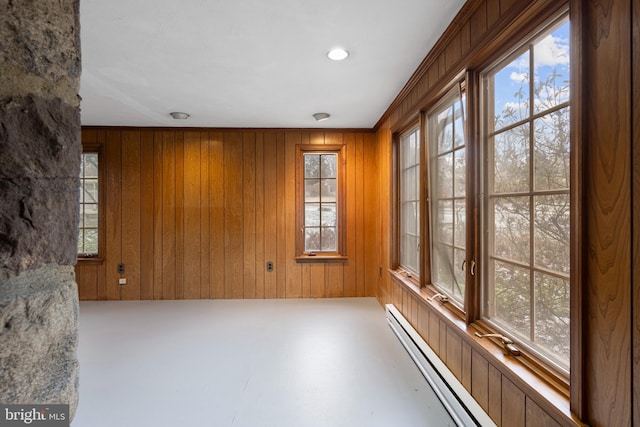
(454, 353)
(281, 238)
(270, 215)
(371, 192)
(495, 395)
(478, 22)
(158, 211)
(131, 205)
(536, 417)
(168, 215)
(635, 143)
(101, 271)
(233, 224)
(146, 215)
(197, 214)
(466, 366)
(434, 333)
(192, 241)
(513, 404)
(607, 66)
(205, 217)
(113, 220)
(249, 213)
(480, 380)
(260, 213)
(493, 12)
(217, 215)
(179, 215)
(306, 267)
(350, 201)
(87, 279)
(294, 270)
(335, 270)
(360, 214)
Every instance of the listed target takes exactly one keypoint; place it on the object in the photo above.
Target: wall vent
(462, 407)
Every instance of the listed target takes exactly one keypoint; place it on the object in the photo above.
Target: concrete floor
(329, 362)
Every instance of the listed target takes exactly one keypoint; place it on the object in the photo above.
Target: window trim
(529, 356)
(340, 255)
(397, 270)
(99, 257)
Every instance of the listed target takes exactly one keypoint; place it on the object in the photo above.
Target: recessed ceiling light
(179, 116)
(337, 54)
(321, 116)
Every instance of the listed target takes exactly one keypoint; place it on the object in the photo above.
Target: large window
(320, 177)
(409, 191)
(447, 193)
(88, 230)
(526, 186)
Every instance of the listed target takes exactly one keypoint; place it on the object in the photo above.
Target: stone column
(39, 166)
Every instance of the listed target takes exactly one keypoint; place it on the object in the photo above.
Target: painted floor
(248, 363)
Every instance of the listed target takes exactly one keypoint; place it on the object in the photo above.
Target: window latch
(440, 297)
(508, 343)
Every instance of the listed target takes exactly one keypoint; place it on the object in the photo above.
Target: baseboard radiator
(462, 407)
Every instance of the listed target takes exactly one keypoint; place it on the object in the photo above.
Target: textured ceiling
(251, 63)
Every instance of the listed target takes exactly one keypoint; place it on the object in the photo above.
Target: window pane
(312, 239)
(409, 180)
(460, 173)
(551, 59)
(445, 130)
(410, 218)
(551, 232)
(458, 274)
(328, 165)
(409, 252)
(511, 92)
(89, 165)
(328, 238)
(329, 215)
(311, 190)
(90, 191)
(460, 212)
(512, 297)
(459, 124)
(312, 166)
(90, 241)
(329, 190)
(552, 314)
(511, 160)
(80, 241)
(442, 260)
(445, 176)
(552, 151)
(443, 229)
(511, 228)
(312, 214)
(90, 216)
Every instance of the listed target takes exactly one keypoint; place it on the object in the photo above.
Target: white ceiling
(251, 63)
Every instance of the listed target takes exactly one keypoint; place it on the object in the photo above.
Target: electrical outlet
(122, 281)
(269, 266)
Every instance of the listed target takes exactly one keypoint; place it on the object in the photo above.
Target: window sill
(90, 261)
(321, 258)
(547, 392)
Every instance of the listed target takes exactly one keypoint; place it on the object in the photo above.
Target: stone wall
(39, 166)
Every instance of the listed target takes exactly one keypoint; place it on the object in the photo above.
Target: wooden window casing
(335, 250)
(84, 226)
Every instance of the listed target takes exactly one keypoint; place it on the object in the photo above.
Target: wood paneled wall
(606, 390)
(197, 213)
